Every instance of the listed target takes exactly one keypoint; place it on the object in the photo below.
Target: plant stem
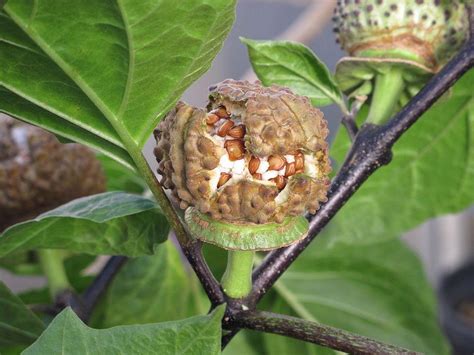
(237, 279)
(158, 192)
(52, 264)
(312, 332)
(99, 286)
(388, 88)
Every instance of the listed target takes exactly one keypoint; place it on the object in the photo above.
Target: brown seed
(237, 131)
(280, 182)
(221, 112)
(223, 179)
(235, 148)
(299, 161)
(290, 169)
(212, 118)
(254, 163)
(225, 128)
(257, 176)
(276, 162)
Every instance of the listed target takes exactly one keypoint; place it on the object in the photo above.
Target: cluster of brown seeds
(220, 122)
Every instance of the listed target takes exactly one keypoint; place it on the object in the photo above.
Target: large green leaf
(16, 106)
(155, 289)
(432, 173)
(108, 223)
(68, 335)
(18, 325)
(296, 66)
(376, 290)
(113, 68)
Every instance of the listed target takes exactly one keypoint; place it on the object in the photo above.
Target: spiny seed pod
(249, 163)
(412, 38)
(37, 173)
(425, 31)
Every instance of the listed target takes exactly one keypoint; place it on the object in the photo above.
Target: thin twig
(314, 333)
(349, 120)
(193, 252)
(99, 286)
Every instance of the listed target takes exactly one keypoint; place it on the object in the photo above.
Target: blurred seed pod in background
(255, 160)
(38, 173)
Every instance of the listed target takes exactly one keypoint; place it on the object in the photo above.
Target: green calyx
(396, 80)
(245, 237)
(414, 38)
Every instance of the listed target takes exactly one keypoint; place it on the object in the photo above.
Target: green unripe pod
(405, 42)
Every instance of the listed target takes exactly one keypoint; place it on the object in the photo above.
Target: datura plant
(395, 47)
(245, 169)
(38, 173)
(248, 173)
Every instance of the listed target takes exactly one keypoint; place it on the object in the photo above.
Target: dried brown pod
(38, 173)
(277, 123)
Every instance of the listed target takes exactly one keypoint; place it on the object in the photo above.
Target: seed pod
(37, 173)
(427, 32)
(197, 164)
(415, 38)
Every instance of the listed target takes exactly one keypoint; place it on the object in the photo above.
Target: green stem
(388, 89)
(155, 187)
(237, 279)
(52, 264)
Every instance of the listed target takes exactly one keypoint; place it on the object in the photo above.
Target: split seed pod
(241, 190)
(38, 173)
(417, 36)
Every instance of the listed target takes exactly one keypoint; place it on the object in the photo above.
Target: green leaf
(294, 65)
(121, 178)
(376, 290)
(155, 289)
(432, 173)
(17, 106)
(111, 68)
(18, 325)
(108, 223)
(68, 335)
